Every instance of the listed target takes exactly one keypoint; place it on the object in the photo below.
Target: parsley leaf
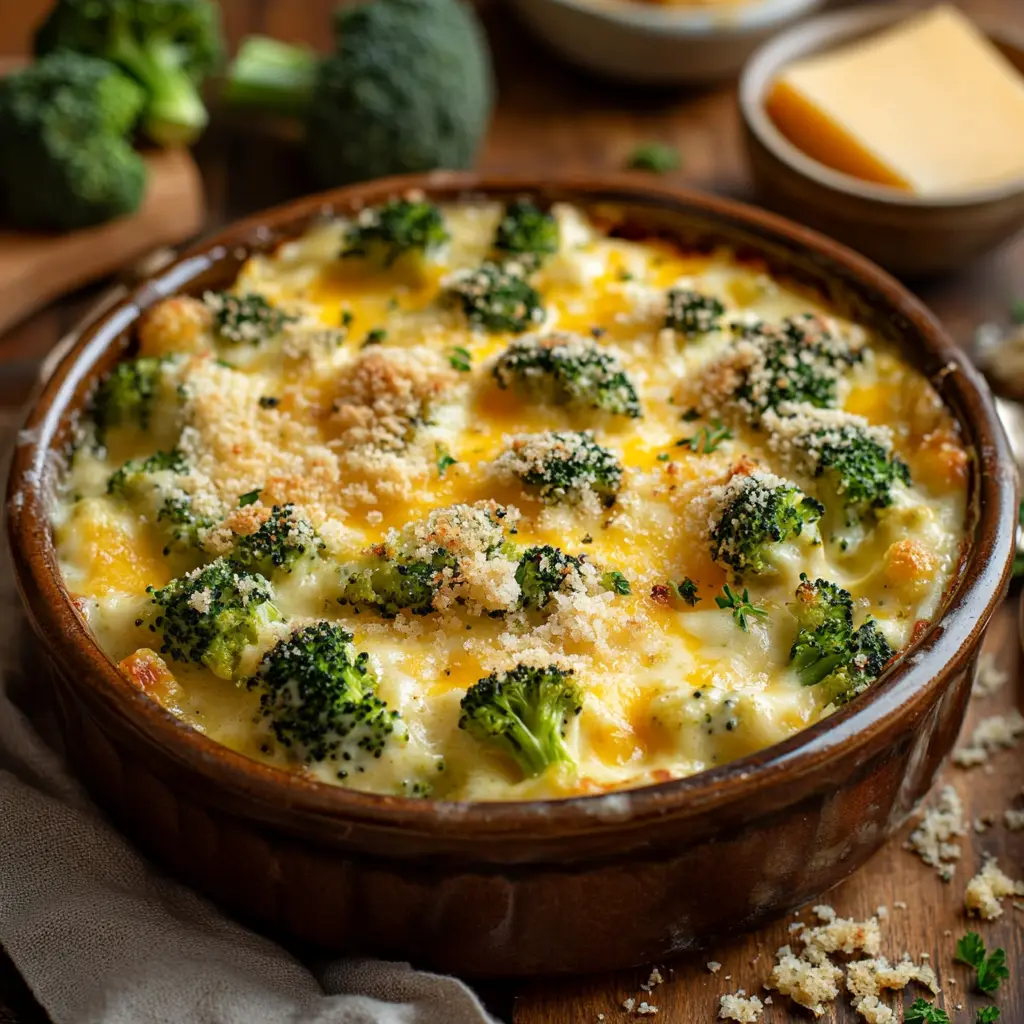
(656, 157)
(922, 1012)
(686, 591)
(375, 337)
(707, 439)
(250, 497)
(616, 583)
(992, 969)
(460, 359)
(740, 605)
(987, 1015)
(444, 459)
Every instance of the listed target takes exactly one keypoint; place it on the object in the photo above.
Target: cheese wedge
(930, 106)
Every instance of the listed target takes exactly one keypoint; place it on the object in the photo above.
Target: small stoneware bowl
(907, 234)
(659, 44)
(586, 884)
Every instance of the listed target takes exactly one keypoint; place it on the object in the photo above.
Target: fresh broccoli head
(66, 161)
(320, 696)
(212, 615)
(246, 319)
(408, 88)
(857, 463)
(391, 583)
(526, 234)
(497, 298)
(564, 369)
(754, 515)
(281, 540)
(397, 227)
(168, 46)
(524, 713)
(127, 396)
(563, 467)
(797, 361)
(827, 648)
(691, 313)
(544, 571)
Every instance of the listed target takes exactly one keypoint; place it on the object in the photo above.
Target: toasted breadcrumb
(987, 888)
(714, 966)
(1014, 819)
(865, 980)
(740, 1007)
(932, 839)
(991, 734)
(989, 678)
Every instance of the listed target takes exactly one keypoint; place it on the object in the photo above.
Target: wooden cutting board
(36, 268)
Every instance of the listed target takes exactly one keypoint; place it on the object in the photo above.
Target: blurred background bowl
(659, 44)
(910, 235)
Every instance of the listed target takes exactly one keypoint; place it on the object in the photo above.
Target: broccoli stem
(271, 75)
(175, 114)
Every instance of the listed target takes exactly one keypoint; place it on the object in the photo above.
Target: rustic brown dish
(585, 884)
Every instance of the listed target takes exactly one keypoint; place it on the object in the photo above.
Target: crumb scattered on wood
(990, 735)
(990, 678)
(988, 888)
(932, 840)
(738, 1006)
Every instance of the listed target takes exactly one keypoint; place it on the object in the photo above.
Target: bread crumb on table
(932, 839)
(989, 678)
(714, 966)
(738, 1006)
(987, 888)
(990, 735)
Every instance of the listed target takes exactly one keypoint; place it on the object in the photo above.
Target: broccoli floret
(797, 361)
(133, 473)
(281, 540)
(127, 395)
(562, 467)
(182, 523)
(755, 514)
(856, 465)
(497, 298)
(168, 46)
(400, 226)
(211, 615)
(247, 319)
(563, 369)
(542, 571)
(392, 583)
(320, 696)
(409, 87)
(524, 713)
(67, 161)
(827, 649)
(691, 312)
(526, 233)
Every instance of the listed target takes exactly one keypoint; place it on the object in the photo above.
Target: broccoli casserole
(488, 501)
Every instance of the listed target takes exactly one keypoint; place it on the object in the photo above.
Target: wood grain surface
(552, 117)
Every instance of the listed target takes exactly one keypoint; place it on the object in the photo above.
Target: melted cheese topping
(358, 429)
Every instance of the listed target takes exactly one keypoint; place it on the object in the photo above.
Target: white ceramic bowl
(654, 44)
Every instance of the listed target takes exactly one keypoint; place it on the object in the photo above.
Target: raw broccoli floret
(562, 467)
(127, 395)
(320, 696)
(524, 713)
(827, 648)
(391, 583)
(755, 514)
(212, 615)
(66, 161)
(856, 465)
(691, 312)
(282, 539)
(497, 298)
(168, 46)
(526, 233)
(408, 88)
(247, 319)
(563, 369)
(542, 571)
(397, 227)
(797, 361)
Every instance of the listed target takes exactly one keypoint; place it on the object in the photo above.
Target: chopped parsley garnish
(616, 583)
(656, 157)
(690, 415)
(987, 1015)
(923, 1012)
(1017, 311)
(707, 439)
(250, 497)
(346, 318)
(686, 590)
(664, 456)
(375, 337)
(444, 459)
(269, 402)
(992, 969)
(740, 605)
(460, 359)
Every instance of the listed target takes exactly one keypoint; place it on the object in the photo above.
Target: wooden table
(551, 117)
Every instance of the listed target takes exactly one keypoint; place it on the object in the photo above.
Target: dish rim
(949, 640)
(842, 25)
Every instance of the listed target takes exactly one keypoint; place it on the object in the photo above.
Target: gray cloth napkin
(102, 937)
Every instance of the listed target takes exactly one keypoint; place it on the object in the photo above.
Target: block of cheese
(930, 106)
